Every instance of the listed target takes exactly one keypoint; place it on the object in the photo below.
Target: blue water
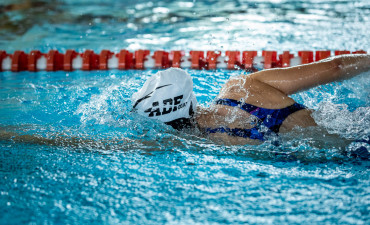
(95, 162)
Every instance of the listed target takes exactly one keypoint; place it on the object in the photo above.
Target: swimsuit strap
(271, 118)
(252, 133)
(234, 103)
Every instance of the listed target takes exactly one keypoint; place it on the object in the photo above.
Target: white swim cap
(167, 96)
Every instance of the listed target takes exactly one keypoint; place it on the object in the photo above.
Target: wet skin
(271, 89)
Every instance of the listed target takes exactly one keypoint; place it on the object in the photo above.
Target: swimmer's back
(254, 92)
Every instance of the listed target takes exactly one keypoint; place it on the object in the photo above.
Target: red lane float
(341, 52)
(248, 59)
(211, 59)
(140, 58)
(306, 56)
(197, 61)
(54, 61)
(270, 59)
(322, 55)
(32, 60)
(125, 60)
(90, 60)
(285, 59)
(359, 52)
(176, 57)
(3, 55)
(161, 60)
(232, 59)
(68, 60)
(104, 56)
(144, 59)
(19, 61)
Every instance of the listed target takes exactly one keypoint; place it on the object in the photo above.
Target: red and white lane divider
(142, 59)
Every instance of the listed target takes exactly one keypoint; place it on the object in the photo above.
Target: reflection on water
(223, 25)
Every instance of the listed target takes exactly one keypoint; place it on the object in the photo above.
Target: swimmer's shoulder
(252, 91)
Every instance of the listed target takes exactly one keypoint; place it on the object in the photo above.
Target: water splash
(105, 107)
(336, 118)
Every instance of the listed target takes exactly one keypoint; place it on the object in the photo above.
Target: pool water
(93, 161)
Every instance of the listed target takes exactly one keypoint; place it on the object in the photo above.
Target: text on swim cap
(169, 105)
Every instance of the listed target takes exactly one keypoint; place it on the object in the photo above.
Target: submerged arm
(62, 140)
(299, 78)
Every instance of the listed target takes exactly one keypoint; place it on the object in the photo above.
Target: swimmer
(249, 108)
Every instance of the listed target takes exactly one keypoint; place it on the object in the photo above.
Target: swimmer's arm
(60, 140)
(299, 78)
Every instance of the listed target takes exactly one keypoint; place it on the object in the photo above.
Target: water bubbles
(69, 206)
(336, 118)
(101, 106)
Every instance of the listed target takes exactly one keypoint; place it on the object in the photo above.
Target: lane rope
(143, 59)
